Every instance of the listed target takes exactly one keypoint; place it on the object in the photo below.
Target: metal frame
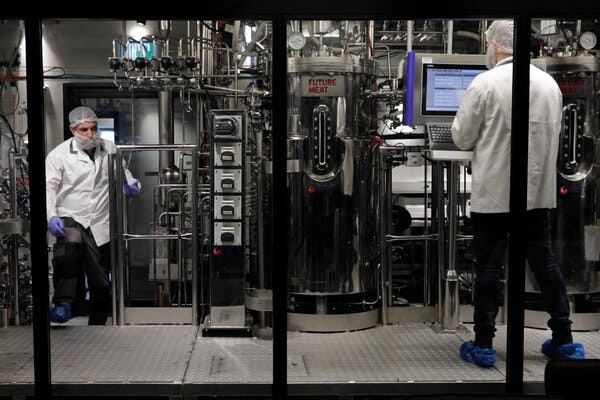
(119, 236)
(280, 13)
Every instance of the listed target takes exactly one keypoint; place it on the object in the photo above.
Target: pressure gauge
(296, 40)
(588, 40)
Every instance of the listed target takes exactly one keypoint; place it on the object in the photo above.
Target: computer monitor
(444, 86)
(435, 85)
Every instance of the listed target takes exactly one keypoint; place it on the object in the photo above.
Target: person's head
(499, 38)
(83, 124)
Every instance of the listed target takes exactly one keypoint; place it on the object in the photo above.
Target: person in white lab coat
(483, 122)
(78, 215)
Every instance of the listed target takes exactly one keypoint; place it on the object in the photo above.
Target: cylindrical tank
(332, 182)
(577, 226)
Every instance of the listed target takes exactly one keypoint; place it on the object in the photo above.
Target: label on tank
(322, 86)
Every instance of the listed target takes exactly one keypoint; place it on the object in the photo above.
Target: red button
(564, 190)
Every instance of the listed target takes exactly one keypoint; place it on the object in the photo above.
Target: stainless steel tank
(577, 224)
(333, 192)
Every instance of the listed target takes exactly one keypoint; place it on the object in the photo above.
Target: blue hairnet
(501, 32)
(80, 115)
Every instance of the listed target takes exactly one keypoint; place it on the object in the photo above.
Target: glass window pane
(382, 210)
(187, 298)
(561, 283)
(16, 335)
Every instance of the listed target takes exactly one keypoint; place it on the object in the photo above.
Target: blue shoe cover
(475, 355)
(60, 313)
(569, 351)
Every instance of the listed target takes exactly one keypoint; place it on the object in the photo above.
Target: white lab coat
(77, 187)
(484, 123)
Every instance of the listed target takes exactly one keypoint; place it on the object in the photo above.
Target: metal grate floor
(177, 355)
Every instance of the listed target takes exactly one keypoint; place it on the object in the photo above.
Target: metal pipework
(385, 194)
(409, 35)
(112, 202)
(14, 241)
(166, 134)
(437, 179)
(451, 302)
(450, 39)
(116, 53)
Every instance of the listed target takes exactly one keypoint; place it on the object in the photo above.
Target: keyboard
(440, 134)
(441, 145)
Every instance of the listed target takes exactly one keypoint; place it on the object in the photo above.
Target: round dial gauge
(588, 40)
(296, 40)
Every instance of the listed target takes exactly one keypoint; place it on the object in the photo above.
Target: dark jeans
(490, 234)
(76, 255)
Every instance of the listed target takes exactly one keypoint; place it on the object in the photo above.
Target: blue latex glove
(56, 226)
(131, 190)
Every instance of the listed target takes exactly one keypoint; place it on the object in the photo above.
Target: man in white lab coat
(484, 123)
(78, 215)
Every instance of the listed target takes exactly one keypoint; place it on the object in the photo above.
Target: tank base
(333, 322)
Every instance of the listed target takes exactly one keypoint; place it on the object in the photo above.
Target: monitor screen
(444, 86)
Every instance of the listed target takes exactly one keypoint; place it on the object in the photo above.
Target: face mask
(490, 56)
(86, 143)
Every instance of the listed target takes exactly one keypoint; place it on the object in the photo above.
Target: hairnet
(501, 33)
(80, 115)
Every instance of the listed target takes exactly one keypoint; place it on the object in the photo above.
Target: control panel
(227, 166)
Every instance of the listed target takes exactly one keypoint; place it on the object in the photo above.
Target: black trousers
(76, 256)
(490, 234)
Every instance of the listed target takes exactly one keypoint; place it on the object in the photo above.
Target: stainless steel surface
(426, 255)
(259, 299)
(166, 133)
(589, 321)
(122, 357)
(567, 64)
(451, 155)
(332, 322)
(332, 226)
(578, 203)
(158, 315)
(226, 317)
(408, 238)
(450, 299)
(114, 258)
(406, 315)
(437, 181)
(4, 317)
(410, 26)
(146, 147)
(331, 65)
(122, 237)
(195, 237)
(14, 240)
(385, 192)
(333, 189)
(119, 231)
(450, 37)
(13, 225)
(129, 236)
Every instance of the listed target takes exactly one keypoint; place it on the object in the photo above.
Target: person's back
(545, 116)
(492, 90)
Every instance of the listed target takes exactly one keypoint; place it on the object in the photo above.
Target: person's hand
(56, 226)
(131, 190)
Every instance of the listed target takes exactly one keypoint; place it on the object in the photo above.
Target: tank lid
(332, 64)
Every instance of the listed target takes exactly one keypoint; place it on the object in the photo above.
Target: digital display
(444, 86)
